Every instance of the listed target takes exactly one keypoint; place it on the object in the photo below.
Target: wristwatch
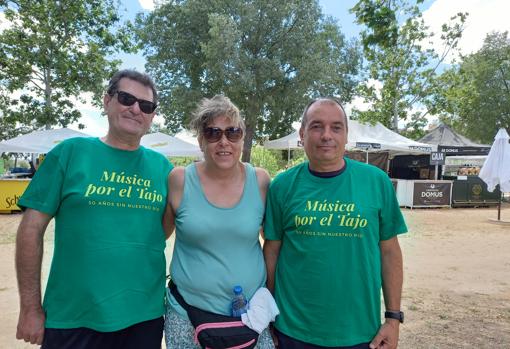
(397, 315)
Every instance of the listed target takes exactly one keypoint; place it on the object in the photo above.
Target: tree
(474, 96)
(53, 51)
(269, 57)
(397, 62)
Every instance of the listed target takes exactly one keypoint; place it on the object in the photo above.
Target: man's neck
(123, 143)
(327, 167)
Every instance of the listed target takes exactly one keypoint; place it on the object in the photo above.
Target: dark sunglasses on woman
(127, 99)
(214, 134)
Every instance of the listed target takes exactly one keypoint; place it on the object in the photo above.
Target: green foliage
(381, 23)
(392, 42)
(474, 96)
(297, 159)
(53, 51)
(181, 160)
(262, 157)
(415, 129)
(268, 56)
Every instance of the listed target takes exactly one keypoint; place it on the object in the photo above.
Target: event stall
(447, 142)
(37, 142)
(11, 190)
(424, 193)
(463, 161)
(452, 143)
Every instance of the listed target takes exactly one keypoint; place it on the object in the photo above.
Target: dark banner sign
(431, 194)
(463, 150)
(437, 158)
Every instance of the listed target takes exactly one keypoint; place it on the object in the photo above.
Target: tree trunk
(252, 110)
(248, 141)
(395, 116)
(47, 92)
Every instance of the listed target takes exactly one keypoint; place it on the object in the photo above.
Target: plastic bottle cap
(238, 289)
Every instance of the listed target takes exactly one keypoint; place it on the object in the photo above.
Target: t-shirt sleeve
(391, 219)
(170, 167)
(44, 191)
(273, 227)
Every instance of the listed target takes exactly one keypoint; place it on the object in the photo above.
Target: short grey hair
(328, 100)
(209, 109)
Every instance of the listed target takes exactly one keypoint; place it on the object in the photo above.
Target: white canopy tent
(292, 141)
(170, 146)
(363, 137)
(187, 136)
(6, 148)
(39, 142)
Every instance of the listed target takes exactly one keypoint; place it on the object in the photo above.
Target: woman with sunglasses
(217, 207)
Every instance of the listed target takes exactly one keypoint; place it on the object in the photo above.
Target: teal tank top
(217, 248)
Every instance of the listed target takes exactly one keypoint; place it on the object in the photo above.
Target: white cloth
(261, 311)
(496, 169)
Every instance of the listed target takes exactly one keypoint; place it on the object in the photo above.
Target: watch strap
(397, 315)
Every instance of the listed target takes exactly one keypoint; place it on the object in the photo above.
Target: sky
(484, 16)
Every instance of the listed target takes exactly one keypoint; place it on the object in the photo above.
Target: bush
(181, 160)
(261, 157)
(297, 159)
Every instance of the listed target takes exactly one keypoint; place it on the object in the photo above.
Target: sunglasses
(214, 134)
(128, 100)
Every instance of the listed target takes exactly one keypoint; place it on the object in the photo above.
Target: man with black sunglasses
(107, 280)
(331, 243)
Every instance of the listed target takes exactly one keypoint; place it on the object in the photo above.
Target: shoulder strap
(177, 295)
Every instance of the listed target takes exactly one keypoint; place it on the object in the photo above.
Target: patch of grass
(413, 307)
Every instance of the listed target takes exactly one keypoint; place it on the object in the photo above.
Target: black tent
(451, 143)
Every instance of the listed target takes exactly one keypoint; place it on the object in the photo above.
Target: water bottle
(239, 302)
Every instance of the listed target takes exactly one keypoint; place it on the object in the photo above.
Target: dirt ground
(456, 288)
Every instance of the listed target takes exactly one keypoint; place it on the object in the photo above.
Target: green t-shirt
(328, 275)
(108, 267)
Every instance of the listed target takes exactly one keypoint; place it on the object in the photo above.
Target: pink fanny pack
(215, 331)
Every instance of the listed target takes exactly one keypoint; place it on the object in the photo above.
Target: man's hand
(31, 326)
(387, 337)
(29, 253)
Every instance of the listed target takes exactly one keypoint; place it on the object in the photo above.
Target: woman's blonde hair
(210, 108)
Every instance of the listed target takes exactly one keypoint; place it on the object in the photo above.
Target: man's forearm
(168, 221)
(271, 253)
(392, 273)
(29, 252)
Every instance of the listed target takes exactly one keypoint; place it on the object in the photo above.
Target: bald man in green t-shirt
(331, 243)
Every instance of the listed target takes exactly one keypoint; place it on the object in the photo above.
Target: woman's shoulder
(262, 173)
(177, 175)
(263, 177)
